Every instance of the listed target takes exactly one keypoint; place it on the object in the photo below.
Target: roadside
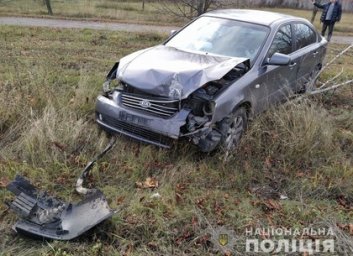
(97, 25)
(129, 27)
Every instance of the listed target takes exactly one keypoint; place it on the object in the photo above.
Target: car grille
(136, 131)
(158, 106)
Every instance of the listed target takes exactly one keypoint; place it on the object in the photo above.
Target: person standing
(332, 12)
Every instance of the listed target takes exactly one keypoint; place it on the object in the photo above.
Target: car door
(275, 83)
(306, 53)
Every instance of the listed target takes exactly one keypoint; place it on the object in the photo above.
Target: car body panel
(160, 71)
(173, 70)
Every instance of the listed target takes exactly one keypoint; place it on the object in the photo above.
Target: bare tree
(47, 3)
(192, 8)
(330, 84)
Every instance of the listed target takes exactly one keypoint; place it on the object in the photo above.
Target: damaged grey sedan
(210, 78)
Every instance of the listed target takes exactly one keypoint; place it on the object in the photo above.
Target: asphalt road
(63, 23)
(114, 26)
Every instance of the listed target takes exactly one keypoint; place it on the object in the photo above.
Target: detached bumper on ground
(44, 216)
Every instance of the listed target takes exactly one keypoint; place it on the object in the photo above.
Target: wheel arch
(248, 107)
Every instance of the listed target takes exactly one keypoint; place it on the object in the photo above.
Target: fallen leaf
(4, 181)
(272, 205)
(200, 203)
(180, 188)
(59, 145)
(119, 200)
(148, 183)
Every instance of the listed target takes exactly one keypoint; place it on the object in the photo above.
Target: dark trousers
(330, 25)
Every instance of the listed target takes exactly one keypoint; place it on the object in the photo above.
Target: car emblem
(145, 103)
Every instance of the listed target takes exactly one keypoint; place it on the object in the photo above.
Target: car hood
(173, 73)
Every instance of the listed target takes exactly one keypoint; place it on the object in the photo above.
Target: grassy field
(49, 79)
(130, 11)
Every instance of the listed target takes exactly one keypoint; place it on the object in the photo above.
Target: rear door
(306, 53)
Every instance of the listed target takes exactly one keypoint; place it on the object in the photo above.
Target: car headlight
(110, 85)
(201, 102)
(106, 86)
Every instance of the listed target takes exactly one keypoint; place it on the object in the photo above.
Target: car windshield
(221, 37)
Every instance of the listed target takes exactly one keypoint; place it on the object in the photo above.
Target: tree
(192, 8)
(47, 3)
(330, 84)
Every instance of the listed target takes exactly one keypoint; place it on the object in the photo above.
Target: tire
(232, 129)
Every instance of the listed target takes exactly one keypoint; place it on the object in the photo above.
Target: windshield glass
(221, 37)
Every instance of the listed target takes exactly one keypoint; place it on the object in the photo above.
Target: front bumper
(112, 116)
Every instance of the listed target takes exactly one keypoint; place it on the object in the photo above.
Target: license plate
(132, 119)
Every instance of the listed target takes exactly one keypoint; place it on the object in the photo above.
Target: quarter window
(282, 43)
(304, 35)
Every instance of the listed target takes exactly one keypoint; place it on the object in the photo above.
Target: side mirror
(172, 32)
(279, 59)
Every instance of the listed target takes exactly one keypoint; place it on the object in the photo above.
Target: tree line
(192, 8)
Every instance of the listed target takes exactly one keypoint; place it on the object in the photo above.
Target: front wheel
(232, 129)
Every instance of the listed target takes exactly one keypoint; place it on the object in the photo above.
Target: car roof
(252, 16)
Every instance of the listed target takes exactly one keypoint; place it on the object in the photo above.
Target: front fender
(225, 105)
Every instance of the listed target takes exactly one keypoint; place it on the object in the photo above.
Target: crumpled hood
(169, 72)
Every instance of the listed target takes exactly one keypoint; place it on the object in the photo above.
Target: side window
(304, 36)
(282, 43)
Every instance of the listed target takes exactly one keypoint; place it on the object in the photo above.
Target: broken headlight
(201, 101)
(110, 85)
(107, 85)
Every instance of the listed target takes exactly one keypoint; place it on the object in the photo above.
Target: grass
(49, 79)
(124, 11)
(131, 11)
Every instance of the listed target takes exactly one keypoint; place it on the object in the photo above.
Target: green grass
(131, 11)
(124, 11)
(49, 79)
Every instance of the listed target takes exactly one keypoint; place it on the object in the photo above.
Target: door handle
(292, 65)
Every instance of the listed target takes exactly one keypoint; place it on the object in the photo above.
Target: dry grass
(131, 11)
(49, 80)
(294, 133)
